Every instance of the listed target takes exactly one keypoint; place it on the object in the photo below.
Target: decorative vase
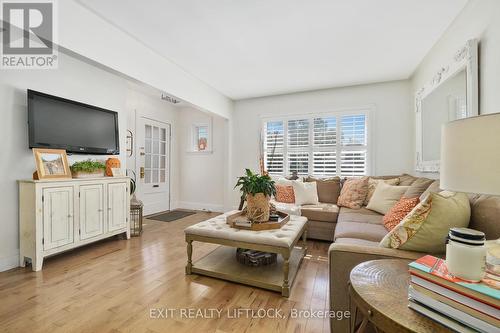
(112, 162)
(258, 207)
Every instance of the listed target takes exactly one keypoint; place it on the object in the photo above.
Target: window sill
(200, 152)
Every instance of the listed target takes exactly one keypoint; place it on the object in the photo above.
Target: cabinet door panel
(58, 221)
(117, 209)
(91, 211)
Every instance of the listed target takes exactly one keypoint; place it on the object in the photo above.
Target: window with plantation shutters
(353, 152)
(324, 134)
(274, 147)
(352, 163)
(298, 146)
(298, 133)
(321, 145)
(298, 161)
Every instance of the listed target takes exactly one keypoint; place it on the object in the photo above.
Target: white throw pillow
(305, 193)
(285, 182)
(385, 196)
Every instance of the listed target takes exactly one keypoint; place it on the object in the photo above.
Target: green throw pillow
(425, 228)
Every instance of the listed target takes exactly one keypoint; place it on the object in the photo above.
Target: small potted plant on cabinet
(257, 191)
(88, 169)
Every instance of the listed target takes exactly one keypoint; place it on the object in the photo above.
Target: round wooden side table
(379, 295)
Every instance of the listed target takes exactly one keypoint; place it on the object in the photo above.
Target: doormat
(171, 216)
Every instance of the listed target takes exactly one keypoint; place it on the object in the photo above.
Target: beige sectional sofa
(356, 234)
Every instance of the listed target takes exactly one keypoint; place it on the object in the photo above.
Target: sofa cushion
(433, 188)
(362, 215)
(320, 230)
(328, 188)
(356, 241)
(419, 186)
(485, 212)
(406, 179)
(324, 212)
(367, 231)
(291, 209)
(385, 177)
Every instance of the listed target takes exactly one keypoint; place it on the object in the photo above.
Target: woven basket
(258, 207)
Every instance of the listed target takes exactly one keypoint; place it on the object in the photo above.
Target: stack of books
(461, 305)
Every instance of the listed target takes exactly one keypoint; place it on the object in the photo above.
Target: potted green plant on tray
(88, 169)
(257, 191)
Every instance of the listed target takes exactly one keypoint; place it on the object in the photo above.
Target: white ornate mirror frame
(466, 58)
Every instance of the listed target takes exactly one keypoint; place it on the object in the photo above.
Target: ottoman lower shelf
(221, 263)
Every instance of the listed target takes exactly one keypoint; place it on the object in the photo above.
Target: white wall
(479, 19)
(202, 182)
(393, 123)
(89, 35)
(76, 80)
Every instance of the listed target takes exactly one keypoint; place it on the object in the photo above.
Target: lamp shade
(470, 155)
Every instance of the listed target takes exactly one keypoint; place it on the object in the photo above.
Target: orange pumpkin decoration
(112, 162)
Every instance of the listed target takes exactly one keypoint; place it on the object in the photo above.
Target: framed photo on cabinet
(51, 164)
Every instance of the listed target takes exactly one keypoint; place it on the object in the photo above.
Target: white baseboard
(199, 206)
(9, 262)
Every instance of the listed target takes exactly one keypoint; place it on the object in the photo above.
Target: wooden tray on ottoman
(237, 217)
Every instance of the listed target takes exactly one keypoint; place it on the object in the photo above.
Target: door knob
(141, 172)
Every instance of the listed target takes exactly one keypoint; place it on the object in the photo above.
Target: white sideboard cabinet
(59, 215)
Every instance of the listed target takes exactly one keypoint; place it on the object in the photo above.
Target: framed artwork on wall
(51, 164)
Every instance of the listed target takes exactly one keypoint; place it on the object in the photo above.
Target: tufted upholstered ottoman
(221, 263)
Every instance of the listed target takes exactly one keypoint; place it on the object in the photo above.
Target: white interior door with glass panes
(153, 167)
(321, 145)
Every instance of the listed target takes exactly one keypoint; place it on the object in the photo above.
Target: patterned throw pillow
(285, 194)
(425, 228)
(397, 213)
(372, 184)
(353, 193)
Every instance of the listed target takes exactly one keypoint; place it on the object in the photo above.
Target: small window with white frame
(324, 145)
(201, 138)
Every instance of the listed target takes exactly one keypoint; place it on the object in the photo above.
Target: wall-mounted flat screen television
(56, 122)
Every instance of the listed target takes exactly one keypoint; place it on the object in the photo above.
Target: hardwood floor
(124, 286)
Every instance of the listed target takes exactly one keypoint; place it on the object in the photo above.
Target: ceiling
(265, 47)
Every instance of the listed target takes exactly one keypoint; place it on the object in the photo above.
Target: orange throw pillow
(397, 213)
(285, 194)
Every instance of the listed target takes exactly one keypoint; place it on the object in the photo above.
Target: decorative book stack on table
(458, 304)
